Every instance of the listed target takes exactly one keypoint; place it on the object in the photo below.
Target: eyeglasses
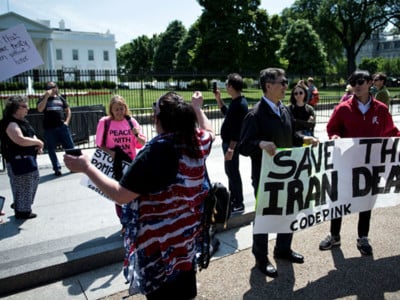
(282, 82)
(298, 93)
(353, 83)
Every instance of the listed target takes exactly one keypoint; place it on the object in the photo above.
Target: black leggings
(182, 288)
(362, 228)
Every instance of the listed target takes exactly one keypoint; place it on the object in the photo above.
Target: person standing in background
(19, 146)
(348, 93)
(57, 116)
(230, 134)
(119, 135)
(381, 92)
(303, 114)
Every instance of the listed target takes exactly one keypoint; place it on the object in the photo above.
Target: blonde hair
(117, 99)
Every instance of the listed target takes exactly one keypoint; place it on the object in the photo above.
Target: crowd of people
(161, 211)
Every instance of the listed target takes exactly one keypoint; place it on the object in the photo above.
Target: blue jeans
(55, 136)
(234, 178)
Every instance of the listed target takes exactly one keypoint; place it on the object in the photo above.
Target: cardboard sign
(104, 162)
(17, 52)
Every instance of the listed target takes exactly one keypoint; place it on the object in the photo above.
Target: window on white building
(59, 54)
(90, 55)
(105, 55)
(75, 54)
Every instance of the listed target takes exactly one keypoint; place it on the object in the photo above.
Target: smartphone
(74, 151)
(214, 87)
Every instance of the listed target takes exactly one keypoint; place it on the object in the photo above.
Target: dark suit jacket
(263, 124)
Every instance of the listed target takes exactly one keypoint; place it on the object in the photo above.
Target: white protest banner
(104, 162)
(305, 186)
(17, 52)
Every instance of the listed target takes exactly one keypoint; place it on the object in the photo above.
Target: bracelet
(230, 150)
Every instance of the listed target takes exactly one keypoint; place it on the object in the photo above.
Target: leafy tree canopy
(304, 50)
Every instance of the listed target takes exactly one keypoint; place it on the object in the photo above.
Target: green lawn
(145, 98)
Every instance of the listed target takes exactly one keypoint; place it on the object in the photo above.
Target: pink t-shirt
(119, 133)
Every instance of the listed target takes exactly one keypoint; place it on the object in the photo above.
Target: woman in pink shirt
(119, 135)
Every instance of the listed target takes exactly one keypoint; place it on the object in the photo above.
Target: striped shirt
(164, 225)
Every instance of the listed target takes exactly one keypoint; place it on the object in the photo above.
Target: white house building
(380, 45)
(61, 48)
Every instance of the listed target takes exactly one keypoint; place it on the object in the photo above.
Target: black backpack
(217, 210)
(219, 198)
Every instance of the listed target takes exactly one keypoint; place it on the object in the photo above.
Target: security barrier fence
(89, 92)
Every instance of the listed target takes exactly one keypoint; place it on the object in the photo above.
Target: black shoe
(267, 268)
(58, 173)
(290, 256)
(25, 215)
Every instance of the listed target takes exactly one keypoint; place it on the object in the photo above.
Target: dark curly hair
(177, 116)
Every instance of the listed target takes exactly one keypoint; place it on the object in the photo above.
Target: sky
(126, 19)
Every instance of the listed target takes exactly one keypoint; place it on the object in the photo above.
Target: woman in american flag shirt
(165, 188)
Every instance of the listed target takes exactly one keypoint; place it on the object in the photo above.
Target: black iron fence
(89, 92)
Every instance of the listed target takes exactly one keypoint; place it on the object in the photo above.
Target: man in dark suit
(266, 127)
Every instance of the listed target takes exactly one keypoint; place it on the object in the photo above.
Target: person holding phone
(230, 133)
(57, 116)
(164, 231)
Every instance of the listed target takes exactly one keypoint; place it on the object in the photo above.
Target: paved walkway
(77, 231)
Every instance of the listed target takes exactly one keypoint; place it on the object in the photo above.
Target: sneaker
(58, 173)
(363, 246)
(329, 242)
(237, 209)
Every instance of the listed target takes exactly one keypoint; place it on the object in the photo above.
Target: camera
(214, 87)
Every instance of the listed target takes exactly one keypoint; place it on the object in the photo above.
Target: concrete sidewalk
(74, 250)
(76, 229)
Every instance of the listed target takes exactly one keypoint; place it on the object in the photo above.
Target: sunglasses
(298, 93)
(24, 106)
(282, 82)
(353, 83)
(377, 79)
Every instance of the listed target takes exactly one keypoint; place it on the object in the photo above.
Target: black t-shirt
(234, 115)
(54, 114)
(10, 149)
(153, 169)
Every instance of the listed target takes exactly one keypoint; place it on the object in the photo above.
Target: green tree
(235, 36)
(184, 58)
(303, 49)
(370, 64)
(123, 59)
(137, 56)
(168, 47)
(349, 21)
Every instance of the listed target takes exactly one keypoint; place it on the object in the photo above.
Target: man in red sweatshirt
(361, 116)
